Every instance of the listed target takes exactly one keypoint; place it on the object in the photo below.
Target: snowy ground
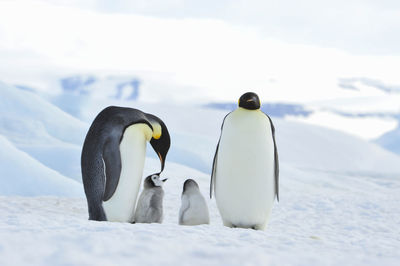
(323, 218)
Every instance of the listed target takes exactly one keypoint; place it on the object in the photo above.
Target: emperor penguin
(112, 160)
(245, 172)
(149, 208)
(194, 210)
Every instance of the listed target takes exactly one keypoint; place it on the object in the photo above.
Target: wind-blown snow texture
(338, 205)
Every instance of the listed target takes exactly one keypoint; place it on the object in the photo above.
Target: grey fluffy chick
(149, 208)
(194, 210)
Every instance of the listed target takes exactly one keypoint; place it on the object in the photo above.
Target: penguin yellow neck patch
(156, 130)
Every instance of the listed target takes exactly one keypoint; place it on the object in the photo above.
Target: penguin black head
(161, 145)
(153, 181)
(249, 101)
(189, 183)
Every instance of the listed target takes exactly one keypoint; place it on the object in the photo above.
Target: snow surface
(338, 204)
(322, 219)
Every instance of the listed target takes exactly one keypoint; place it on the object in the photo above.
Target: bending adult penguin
(113, 157)
(149, 208)
(245, 173)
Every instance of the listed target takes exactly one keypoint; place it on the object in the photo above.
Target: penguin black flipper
(275, 159)
(214, 166)
(112, 162)
(212, 182)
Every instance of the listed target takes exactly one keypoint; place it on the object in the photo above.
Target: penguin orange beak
(161, 160)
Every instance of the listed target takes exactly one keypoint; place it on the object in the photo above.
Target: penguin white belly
(121, 206)
(245, 181)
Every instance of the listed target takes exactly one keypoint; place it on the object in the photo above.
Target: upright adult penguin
(245, 171)
(113, 157)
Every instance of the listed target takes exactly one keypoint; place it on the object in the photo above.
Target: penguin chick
(194, 210)
(150, 205)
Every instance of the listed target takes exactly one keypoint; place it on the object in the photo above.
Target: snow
(20, 174)
(46, 120)
(42, 130)
(357, 125)
(314, 147)
(391, 140)
(322, 218)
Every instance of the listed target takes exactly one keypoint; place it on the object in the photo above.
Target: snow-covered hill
(25, 114)
(20, 174)
(42, 130)
(391, 140)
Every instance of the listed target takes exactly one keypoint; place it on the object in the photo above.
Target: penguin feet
(228, 224)
(254, 226)
(259, 227)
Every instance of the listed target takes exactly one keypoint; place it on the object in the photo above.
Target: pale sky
(356, 26)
